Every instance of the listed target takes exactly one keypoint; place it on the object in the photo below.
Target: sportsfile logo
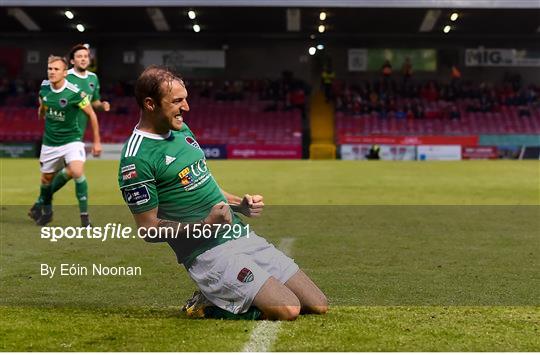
(119, 231)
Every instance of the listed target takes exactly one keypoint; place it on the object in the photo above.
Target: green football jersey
(170, 172)
(62, 108)
(90, 85)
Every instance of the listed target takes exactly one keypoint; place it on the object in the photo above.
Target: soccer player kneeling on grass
(166, 183)
(59, 104)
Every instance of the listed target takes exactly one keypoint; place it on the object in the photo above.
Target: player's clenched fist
(96, 149)
(219, 214)
(251, 206)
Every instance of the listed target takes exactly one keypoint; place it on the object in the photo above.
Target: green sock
(81, 190)
(252, 313)
(45, 197)
(59, 180)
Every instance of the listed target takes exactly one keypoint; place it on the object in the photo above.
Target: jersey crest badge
(245, 275)
(63, 102)
(192, 142)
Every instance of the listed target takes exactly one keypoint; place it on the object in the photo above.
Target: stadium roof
(232, 21)
(457, 4)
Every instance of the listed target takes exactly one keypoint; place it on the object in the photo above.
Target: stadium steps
(322, 128)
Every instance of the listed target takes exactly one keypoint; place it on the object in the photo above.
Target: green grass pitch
(414, 256)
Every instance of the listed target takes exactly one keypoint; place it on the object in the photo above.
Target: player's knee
(320, 306)
(289, 312)
(321, 309)
(76, 173)
(46, 179)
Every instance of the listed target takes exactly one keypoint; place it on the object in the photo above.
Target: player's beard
(81, 69)
(177, 122)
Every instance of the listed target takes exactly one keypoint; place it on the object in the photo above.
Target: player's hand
(96, 149)
(219, 214)
(106, 106)
(251, 206)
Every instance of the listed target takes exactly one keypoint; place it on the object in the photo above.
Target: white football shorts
(53, 159)
(231, 274)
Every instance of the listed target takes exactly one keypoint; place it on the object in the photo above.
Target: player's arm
(41, 109)
(99, 105)
(249, 206)
(167, 229)
(89, 111)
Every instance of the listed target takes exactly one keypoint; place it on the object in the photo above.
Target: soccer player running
(59, 104)
(168, 186)
(88, 82)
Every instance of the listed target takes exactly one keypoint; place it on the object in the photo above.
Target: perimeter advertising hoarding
(387, 152)
(480, 152)
(501, 57)
(410, 140)
(17, 150)
(185, 58)
(214, 151)
(362, 59)
(439, 152)
(248, 151)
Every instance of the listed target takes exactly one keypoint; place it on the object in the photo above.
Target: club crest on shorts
(63, 102)
(193, 142)
(245, 275)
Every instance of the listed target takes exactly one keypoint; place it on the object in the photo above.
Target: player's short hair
(54, 58)
(76, 48)
(149, 83)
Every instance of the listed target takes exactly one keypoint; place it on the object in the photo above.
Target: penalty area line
(265, 332)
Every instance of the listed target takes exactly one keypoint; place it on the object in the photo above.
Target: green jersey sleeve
(138, 185)
(84, 102)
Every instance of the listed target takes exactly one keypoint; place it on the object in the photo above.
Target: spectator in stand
(297, 99)
(327, 78)
(4, 90)
(407, 70)
(454, 113)
(386, 69)
(455, 75)
(419, 110)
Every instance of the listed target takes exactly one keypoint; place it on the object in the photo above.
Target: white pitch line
(266, 332)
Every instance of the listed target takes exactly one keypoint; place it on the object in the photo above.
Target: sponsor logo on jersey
(193, 142)
(169, 159)
(129, 175)
(185, 177)
(195, 175)
(56, 115)
(137, 195)
(128, 168)
(63, 102)
(193, 172)
(245, 275)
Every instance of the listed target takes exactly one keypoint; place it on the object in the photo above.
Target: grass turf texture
(411, 277)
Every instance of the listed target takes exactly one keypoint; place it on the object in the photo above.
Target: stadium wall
(264, 57)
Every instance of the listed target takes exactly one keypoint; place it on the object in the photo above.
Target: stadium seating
(214, 122)
(499, 116)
